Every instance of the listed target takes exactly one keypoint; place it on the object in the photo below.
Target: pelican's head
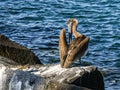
(71, 22)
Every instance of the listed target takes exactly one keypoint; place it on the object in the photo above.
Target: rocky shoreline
(22, 70)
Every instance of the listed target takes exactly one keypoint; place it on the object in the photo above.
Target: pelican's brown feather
(76, 50)
(63, 47)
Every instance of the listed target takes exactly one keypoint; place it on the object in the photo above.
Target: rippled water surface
(36, 24)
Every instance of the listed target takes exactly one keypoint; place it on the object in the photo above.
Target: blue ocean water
(36, 24)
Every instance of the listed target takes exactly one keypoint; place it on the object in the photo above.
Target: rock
(53, 85)
(18, 53)
(56, 78)
(89, 76)
(7, 62)
(21, 80)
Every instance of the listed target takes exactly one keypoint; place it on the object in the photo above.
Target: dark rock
(7, 62)
(18, 53)
(92, 79)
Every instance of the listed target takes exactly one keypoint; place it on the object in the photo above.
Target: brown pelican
(76, 48)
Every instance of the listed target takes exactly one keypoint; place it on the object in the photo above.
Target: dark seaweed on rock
(16, 52)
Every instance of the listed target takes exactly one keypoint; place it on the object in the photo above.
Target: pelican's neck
(74, 30)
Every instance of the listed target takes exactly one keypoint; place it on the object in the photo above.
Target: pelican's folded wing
(63, 46)
(76, 50)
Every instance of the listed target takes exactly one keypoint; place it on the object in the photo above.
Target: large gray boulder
(16, 52)
(24, 80)
(50, 77)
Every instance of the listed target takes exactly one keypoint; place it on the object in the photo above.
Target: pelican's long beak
(70, 31)
(70, 37)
